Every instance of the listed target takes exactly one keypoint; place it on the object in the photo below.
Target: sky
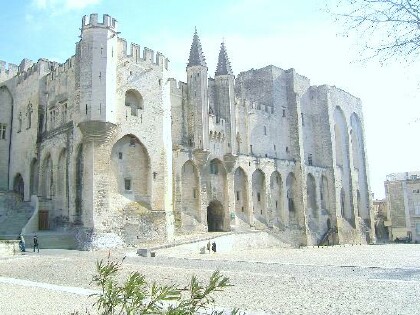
(297, 34)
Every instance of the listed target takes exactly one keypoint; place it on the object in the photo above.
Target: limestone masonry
(110, 149)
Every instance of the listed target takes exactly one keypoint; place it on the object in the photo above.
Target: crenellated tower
(97, 51)
(225, 97)
(198, 123)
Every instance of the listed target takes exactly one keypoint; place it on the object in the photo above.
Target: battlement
(92, 22)
(147, 55)
(177, 87)
(8, 72)
(57, 69)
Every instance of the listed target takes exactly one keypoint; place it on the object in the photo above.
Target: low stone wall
(9, 247)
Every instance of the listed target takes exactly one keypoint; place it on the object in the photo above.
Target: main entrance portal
(215, 216)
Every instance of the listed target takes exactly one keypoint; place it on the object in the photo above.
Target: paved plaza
(375, 279)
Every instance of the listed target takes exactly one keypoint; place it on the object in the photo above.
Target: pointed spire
(196, 53)
(223, 65)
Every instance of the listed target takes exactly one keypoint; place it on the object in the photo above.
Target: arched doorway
(215, 216)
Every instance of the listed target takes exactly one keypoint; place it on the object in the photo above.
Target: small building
(402, 192)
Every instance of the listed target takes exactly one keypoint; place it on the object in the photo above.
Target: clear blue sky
(287, 33)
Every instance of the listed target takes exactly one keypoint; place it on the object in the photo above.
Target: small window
(258, 197)
(214, 168)
(274, 147)
(310, 159)
(120, 155)
(132, 142)
(265, 130)
(2, 131)
(284, 113)
(287, 149)
(277, 203)
(250, 148)
(127, 184)
(237, 195)
(195, 193)
(303, 120)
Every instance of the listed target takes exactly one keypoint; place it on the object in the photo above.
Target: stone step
(52, 240)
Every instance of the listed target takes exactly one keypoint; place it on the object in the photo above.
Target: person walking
(36, 243)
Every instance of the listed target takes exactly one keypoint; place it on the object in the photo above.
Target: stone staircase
(52, 240)
(15, 213)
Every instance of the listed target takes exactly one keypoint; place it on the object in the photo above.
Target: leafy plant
(135, 296)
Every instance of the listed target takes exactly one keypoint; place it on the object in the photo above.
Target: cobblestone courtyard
(380, 279)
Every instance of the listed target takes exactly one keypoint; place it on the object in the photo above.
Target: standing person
(213, 247)
(36, 244)
(21, 243)
(208, 246)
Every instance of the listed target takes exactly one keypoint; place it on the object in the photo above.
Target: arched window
(134, 100)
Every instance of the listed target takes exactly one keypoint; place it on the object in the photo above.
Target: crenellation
(92, 22)
(148, 55)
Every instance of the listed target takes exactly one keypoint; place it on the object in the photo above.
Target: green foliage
(135, 296)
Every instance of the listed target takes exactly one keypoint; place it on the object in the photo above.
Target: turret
(198, 124)
(225, 104)
(97, 52)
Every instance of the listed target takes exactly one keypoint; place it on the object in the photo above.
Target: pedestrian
(36, 244)
(213, 247)
(209, 246)
(21, 243)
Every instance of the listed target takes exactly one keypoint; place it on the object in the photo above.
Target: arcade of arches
(258, 199)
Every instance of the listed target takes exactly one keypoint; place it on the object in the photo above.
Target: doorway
(215, 216)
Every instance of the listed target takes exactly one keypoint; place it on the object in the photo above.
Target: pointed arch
(325, 195)
(292, 202)
(62, 180)
(311, 195)
(276, 186)
(134, 100)
(190, 193)
(48, 177)
(34, 177)
(130, 165)
(359, 164)
(259, 194)
(241, 195)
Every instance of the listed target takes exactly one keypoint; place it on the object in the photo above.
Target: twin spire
(197, 57)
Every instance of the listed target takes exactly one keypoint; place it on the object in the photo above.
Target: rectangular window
(2, 131)
(284, 113)
(120, 155)
(237, 195)
(258, 196)
(127, 184)
(195, 193)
